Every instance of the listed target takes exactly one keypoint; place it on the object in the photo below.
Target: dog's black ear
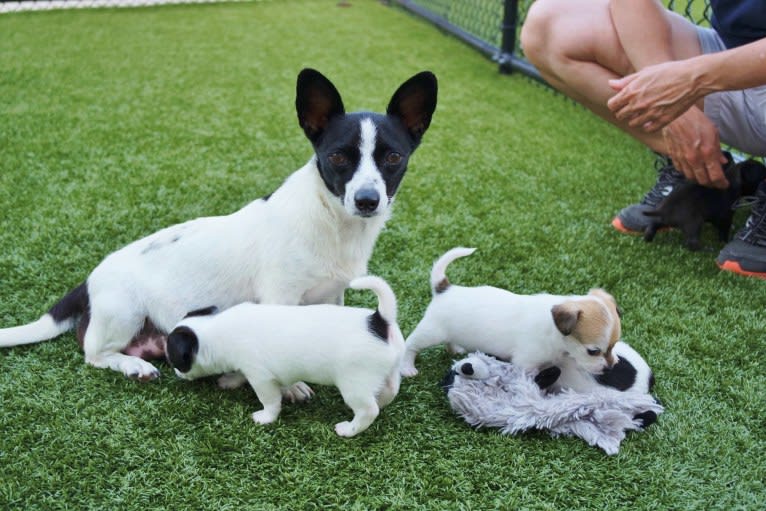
(414, 103)
(316, 101)
(181, 348)
(566, 316)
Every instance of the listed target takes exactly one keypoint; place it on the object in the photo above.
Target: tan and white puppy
(357, 350)
(533, 331)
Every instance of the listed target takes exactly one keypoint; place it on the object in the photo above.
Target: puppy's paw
(455, 349)
(297, 392)
(264, 417)
(408, 370)
(345, 429)
(231, 380)
(138, 369)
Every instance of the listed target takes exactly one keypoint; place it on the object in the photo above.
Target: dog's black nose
(367, 200)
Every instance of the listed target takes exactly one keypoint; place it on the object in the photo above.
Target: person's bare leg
(576, 47)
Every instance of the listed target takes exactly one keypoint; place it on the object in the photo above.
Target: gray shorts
(740, 115)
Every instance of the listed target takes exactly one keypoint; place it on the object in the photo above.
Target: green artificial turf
(115, 123)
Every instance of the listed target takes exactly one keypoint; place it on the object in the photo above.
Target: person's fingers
(715, 175)
(620, 83)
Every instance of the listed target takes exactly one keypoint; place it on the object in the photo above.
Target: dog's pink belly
(148, 344)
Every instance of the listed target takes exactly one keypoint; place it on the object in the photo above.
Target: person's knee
(535, 36)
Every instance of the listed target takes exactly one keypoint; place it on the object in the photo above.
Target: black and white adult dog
(300, 245)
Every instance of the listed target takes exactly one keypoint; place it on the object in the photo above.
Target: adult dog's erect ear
(414, 103)
(316, 101)
(181, 348)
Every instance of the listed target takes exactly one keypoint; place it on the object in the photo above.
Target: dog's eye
(393, 158)
(338, 159)
(594, 352)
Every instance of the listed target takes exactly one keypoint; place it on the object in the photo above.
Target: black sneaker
(746, 253)
(631, 219)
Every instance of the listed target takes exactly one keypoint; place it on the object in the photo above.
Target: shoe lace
(754, 230)
(668, 177)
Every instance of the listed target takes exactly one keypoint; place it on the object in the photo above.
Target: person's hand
(693, 145)
(655, 95)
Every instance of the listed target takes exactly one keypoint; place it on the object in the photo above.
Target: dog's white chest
(329, 291)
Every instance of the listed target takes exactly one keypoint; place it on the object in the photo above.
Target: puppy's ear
(414, 103)
(181, 348)
(316, 102)
(565, 316)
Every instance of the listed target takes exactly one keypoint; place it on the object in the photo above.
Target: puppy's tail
(60, 318)
(386, 296)
(439, 282)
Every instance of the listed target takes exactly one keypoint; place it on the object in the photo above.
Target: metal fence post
(508, 39)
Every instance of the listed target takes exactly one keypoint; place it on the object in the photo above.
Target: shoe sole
(617, 224)
(734, 267)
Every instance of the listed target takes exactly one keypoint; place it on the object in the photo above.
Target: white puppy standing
(357, 350)
(533, 331)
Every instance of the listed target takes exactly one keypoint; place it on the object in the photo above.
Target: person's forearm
(643, 30)
(735, 69)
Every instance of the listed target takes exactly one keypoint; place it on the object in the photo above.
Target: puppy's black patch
(467, 368)
(207, 311)
(442, 286)
(646, 418)
(182, 346)
(547, 377)
(74, 304)
(620, 376)
(378, 326)
(448, 381)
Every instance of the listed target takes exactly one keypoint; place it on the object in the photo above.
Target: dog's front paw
(264, 417)
(297, 392)
(408, 370)
(231, 380)
(345, 429)
(140, 370)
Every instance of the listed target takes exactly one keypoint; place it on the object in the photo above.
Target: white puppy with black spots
(358, 350)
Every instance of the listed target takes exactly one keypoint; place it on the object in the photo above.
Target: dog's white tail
(439, 282)
(61, 317)
(386, 296)
(43, 329)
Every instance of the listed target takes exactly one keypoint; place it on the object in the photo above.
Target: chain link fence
(492, 26)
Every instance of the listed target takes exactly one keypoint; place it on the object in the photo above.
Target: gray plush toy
(487, 392)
